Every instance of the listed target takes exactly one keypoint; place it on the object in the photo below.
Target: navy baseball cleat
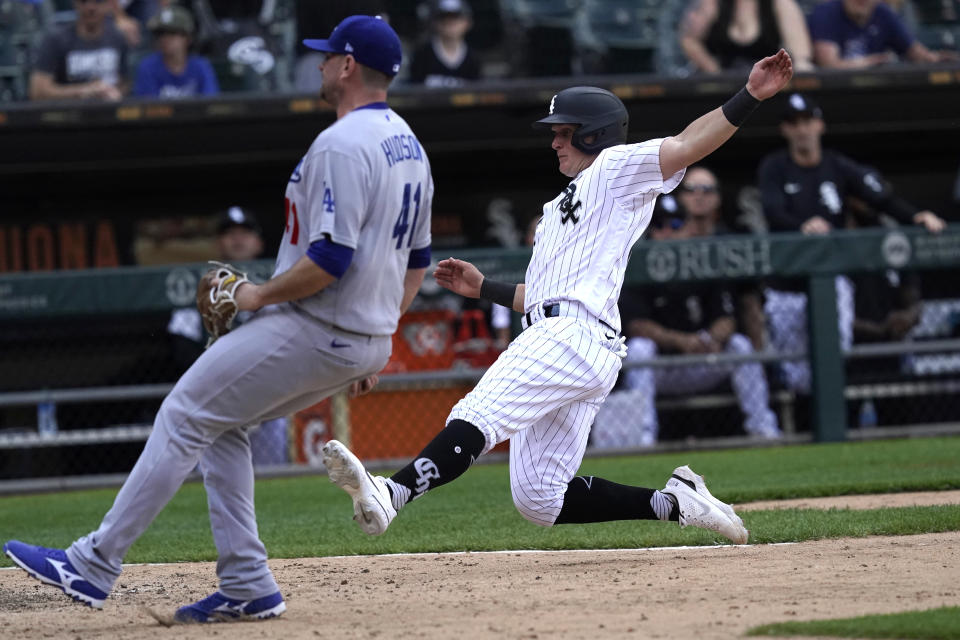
(219, 608)
(51, 566)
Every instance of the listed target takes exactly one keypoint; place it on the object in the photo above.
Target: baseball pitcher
(353, 255)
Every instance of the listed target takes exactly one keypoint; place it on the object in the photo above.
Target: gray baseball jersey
(365, 183)
(544, 391)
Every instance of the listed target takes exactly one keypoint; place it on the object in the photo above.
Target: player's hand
(459, 276)
(247, 296)
(875, 59)
(945, 55)
(130, 29)
(692, 343)
(770, 75)
(930, 221)
(815, 226)
(900, 322)
(361, 387)
(111, 94)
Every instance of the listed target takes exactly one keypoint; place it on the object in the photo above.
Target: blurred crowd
(108, 49)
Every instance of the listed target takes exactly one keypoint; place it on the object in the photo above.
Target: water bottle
(868, 414)
(47, 419)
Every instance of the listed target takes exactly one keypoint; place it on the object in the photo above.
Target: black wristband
(500, 292)
(737, 108)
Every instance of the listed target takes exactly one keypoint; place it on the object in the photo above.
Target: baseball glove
(217, 304)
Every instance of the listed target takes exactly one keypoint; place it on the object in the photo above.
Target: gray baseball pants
(279, 362)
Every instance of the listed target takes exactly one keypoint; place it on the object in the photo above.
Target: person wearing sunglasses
(86, 60)
(689, 319)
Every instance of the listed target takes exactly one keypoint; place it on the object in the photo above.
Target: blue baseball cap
(369, 39)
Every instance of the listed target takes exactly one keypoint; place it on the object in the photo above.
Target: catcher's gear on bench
(217, 304)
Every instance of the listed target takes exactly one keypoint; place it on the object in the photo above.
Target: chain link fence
(80, 390)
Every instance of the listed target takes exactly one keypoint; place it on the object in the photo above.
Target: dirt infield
(659, 593)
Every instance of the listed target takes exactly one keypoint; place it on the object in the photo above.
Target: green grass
(308, 516)
(933, 624)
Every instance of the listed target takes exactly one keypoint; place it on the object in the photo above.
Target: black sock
(591, 499)
(447, 456)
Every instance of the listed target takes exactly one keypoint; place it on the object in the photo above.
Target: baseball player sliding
(353, 256)
(544, 391)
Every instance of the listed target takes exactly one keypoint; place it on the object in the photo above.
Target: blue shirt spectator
(852, 34)
(155, 79)
(172, 72)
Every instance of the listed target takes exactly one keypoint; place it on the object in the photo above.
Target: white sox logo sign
(426, 471)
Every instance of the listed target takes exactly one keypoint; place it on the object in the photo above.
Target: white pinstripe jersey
(583, 241)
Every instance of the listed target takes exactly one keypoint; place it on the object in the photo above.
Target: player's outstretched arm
(462, 277)
(459, 276)
(705, 134)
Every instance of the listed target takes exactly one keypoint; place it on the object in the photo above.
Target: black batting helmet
(598, 112)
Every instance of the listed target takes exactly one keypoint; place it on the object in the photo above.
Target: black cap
(237, 217)
(799, 105)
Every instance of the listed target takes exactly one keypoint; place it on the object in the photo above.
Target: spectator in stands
(84, 60)
(172, 72)
(700, 198)
(854, 34)
(130, 17)
(666, 222)
(445, 60)
(805, 188)
(238, 240)
(731, 34)
(501, 318)
(695, 318)
(322, 17)
(887, 306)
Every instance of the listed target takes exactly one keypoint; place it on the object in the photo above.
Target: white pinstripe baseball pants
(543, 393)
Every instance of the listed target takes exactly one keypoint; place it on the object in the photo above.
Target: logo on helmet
(553, 101)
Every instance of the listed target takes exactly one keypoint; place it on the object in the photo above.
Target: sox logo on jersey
(567, 206)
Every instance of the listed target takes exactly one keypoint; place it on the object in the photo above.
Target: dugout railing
(84, 297)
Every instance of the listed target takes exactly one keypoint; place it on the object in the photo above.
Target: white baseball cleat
(700, 509)
(372, 508)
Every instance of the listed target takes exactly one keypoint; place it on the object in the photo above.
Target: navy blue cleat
(219, 608)
(50, 566)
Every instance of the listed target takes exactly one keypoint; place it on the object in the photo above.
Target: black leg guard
(447, 456)
(591, 499)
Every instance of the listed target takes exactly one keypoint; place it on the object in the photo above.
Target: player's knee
(739, 343)
(641, 348)
(540, 509)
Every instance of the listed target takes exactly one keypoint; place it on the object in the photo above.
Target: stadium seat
(618, 36)
(541, 13)
(542, 31)
(938, 23)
